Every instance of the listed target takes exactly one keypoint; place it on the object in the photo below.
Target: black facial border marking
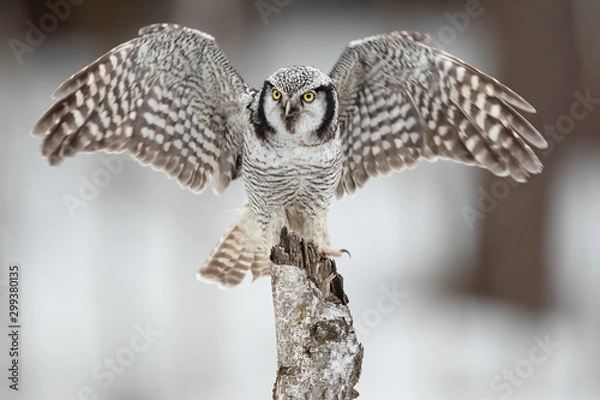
(261, 125)
(324, 132)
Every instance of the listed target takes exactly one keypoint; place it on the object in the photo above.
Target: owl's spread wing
(401, 100)
(169, 97)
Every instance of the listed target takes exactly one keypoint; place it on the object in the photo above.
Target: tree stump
(318, 353)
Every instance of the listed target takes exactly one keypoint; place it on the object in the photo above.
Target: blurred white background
(477, 319)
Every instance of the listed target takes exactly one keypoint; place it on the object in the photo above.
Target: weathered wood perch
(318, 353)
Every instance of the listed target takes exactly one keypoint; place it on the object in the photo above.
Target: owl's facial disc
(299, 113)
(304, 115)
(299, 103)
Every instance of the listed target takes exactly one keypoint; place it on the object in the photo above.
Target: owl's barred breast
(291, 186)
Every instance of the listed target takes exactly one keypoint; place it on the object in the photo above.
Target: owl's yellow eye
(308, 97)
(276, 94)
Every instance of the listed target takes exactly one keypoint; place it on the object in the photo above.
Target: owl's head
(299, 103)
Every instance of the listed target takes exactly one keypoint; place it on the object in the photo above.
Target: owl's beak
(290, 116)
(290, 112)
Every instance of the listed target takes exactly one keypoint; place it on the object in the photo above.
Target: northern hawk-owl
(172, 100)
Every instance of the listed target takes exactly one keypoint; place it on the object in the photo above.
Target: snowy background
(124, 262)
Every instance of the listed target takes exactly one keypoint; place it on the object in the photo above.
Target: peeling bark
(318, 353)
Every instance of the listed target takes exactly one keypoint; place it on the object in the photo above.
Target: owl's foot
(327, 251)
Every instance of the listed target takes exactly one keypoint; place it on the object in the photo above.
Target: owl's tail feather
(242, 248)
